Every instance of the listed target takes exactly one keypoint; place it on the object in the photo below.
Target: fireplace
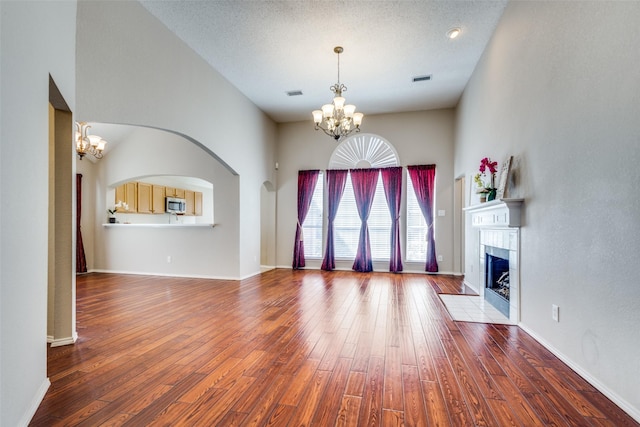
(493, 268)
(496, 278)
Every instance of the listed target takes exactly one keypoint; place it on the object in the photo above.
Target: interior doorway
(267, 226)
(61, 297)
(459, 203)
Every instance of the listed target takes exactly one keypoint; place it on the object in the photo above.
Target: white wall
(557, 88)
(133, 70)
(28, 57)
(204, 252)
(423, 137)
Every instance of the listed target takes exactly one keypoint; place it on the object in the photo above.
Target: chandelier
(88, 144)
(336, 119)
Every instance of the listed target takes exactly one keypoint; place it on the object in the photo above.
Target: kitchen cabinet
(189, 197)
(194, 202)
(197, 210)
(157, 199)
(145, 198)
(127, 193)
(174, 192)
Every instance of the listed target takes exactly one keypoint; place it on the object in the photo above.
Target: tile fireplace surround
(498, 225)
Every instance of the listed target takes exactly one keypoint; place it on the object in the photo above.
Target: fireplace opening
(497, 278)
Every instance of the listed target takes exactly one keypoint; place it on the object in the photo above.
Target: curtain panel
(423, 180)
(392, 182)
(336, 180)
(306, 185)
(364, 187)
(81, 260)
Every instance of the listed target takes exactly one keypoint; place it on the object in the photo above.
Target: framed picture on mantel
(504, 178)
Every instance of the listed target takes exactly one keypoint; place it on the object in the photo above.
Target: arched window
(357, 152)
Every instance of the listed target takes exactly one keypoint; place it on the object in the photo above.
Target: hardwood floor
(303, 348)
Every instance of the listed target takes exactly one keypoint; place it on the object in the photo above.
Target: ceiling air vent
(294, 93)
(422, 78)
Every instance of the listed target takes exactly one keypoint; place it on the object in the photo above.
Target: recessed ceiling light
(453, 33)
(294, 93)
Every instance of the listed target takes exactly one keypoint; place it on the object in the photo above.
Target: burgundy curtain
(392, 181)
(336, 180)
(423, 179)
(306, 185)
(364, 187)
(81, 260)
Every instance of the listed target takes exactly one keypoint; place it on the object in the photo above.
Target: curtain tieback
(301, 239)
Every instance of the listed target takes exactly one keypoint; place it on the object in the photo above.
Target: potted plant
(112, 212)
(485, 179)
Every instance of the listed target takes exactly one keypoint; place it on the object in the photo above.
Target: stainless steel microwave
(176, 205)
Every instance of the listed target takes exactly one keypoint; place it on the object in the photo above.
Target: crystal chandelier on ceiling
(88, 144)
(337, 119)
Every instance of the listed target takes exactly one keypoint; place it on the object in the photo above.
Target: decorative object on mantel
(504, 178)
(486, 189)
(339, 119)
(112, 212)
(88, 144)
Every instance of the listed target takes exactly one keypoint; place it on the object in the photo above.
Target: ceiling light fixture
(88, 144)
(339, 120)
(453, 33)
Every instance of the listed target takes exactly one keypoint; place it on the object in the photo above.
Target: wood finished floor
(292, 348)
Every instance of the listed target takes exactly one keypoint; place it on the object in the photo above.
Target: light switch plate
(441, 212)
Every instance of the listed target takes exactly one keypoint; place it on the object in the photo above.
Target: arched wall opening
(154, 156)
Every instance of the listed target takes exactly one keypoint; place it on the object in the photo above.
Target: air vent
(294, 93)
(422, 78)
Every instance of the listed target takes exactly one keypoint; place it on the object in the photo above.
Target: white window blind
(347, 225)
(416, 227)
(312, 227)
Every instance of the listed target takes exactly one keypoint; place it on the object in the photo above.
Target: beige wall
(423, 137)
(557, 88)
(166, 85)
(28, 57)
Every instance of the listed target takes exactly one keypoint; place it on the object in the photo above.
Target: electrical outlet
(555, 312)
(169, 259)
(441, 212)
(439, 257)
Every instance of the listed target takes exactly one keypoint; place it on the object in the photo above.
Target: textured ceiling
(267, 48)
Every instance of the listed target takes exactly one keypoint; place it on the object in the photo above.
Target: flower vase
(112, 220)
(483, 197)
(491, 195)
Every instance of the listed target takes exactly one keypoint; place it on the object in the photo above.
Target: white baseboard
(35, 403)
(63, 341)
(615, 398)
(188, 276)
(380, 270)
(470, 286)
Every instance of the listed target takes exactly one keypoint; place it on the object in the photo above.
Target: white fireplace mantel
(496, 213)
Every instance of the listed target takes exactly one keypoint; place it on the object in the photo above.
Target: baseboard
(63, 341)
(381, 270)
(468, 285)
(35, 403)
(187, 276)
(614, 397)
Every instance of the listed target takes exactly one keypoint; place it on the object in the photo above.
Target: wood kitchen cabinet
(197, 210)
(145, 198)
(194, 202)
(174, 192)
(158, 199)
(151, 198)
(127, 193)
